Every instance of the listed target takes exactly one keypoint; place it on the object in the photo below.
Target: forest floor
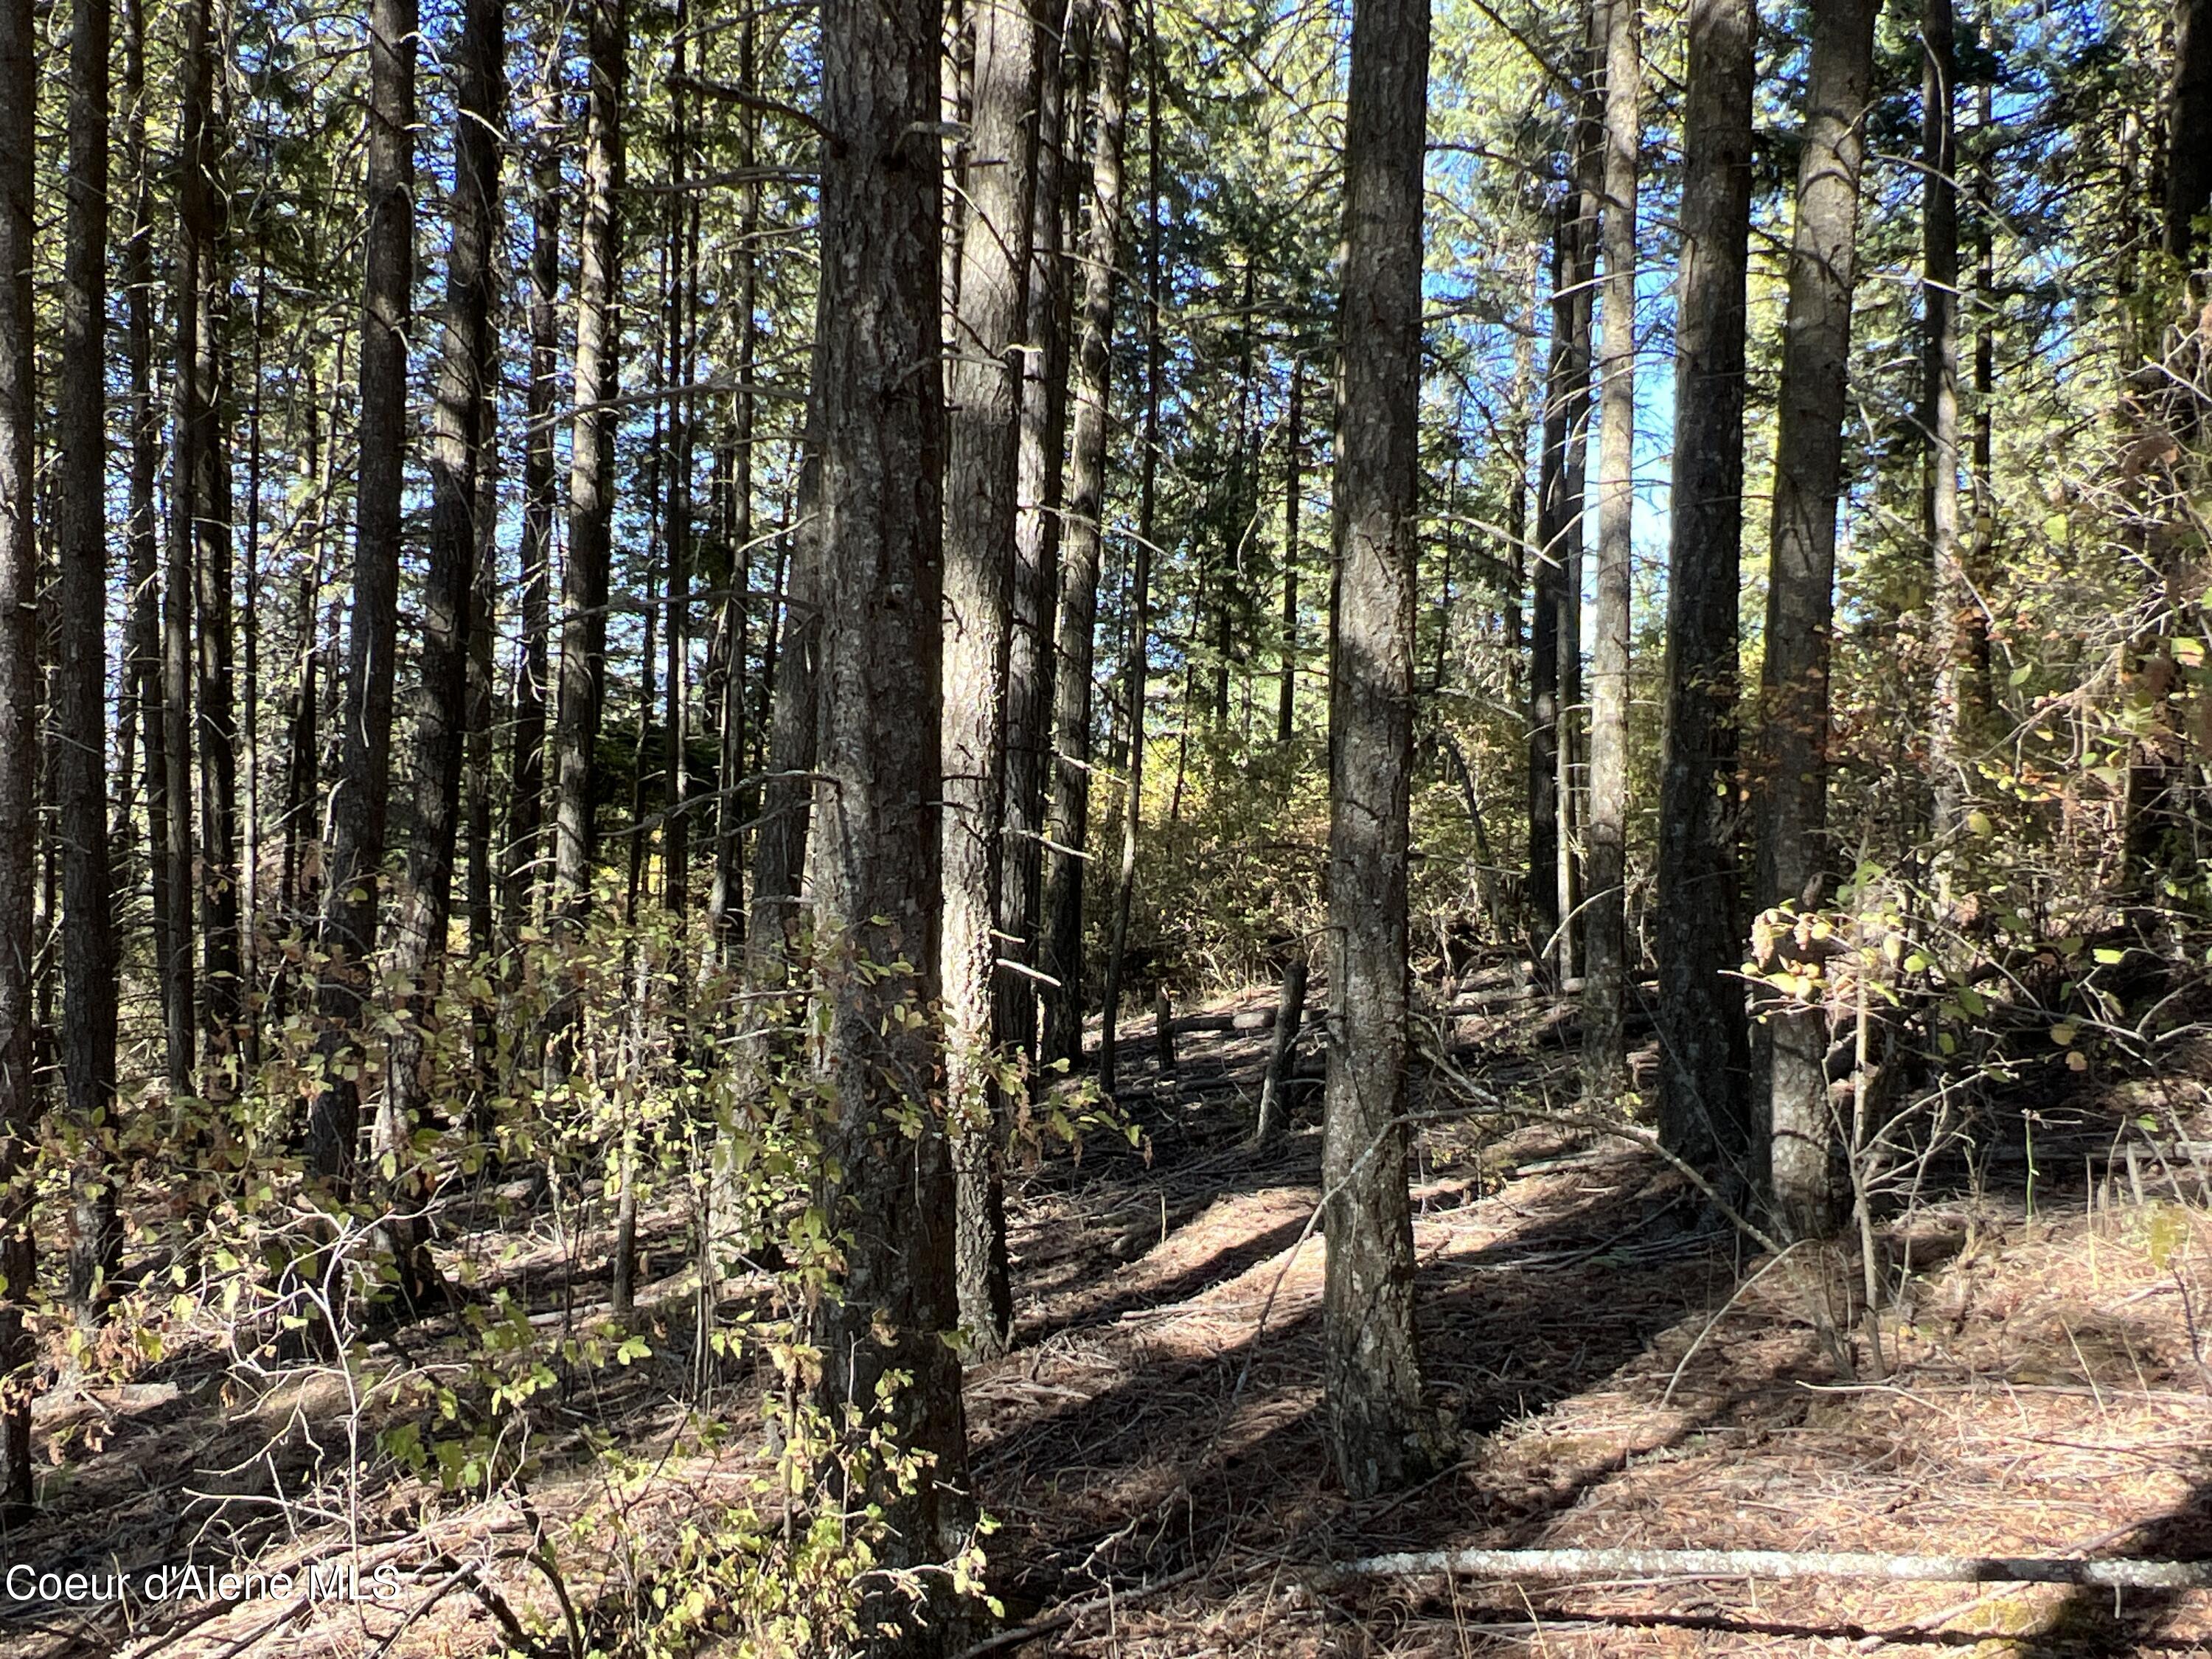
(1619, 1369)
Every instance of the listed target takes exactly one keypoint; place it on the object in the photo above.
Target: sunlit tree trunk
(1795, 859)
(1704, 1065)
(525, 875)
(1606, 969)
(590, 484)
(875, 883)
(1939, 420)
(194, 72)
(361, 791)
(1104, 36)
(1378, 1430)
(1029, 661)
(1138, 663)
(982, 471)
(459, 454)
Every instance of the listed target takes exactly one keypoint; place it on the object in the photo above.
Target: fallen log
(1509, 1564)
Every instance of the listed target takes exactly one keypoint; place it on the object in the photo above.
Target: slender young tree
(1105, 40)
(1294, 442)
(1606, 963)
(676, 636)
(981, 468)
(1038, 494)
(1949, 599)
(525, 875)
(88, 963)
(876, 882)
(591, 467)
(727, 916)
(362, 790)
(195, 155)
(1704, 1065)
(1794, 858)
(140, 710)
(1555, 651)
(1139, 662)
(19, 741)
(779, 846)
(1378, 1431)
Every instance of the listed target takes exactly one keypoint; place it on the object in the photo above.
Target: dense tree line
(787, 542)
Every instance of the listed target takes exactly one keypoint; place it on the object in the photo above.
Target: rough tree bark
(19, 742)
(877, 881)
(1378, 1431)
(361, 792)
(88, 964)
(523, 866)
(459, 429)
(590, 484)
(1104, 38)
(1139, 662)
(1794, 857)
(1029, 661)
(1605, 966)
(142, 673)
(1555, 645)
(726, 903)
(178, 1003)
(981, 465)
(2188, 120)
(1704, 1048)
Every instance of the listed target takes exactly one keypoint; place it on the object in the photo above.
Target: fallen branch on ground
(1513, 1564)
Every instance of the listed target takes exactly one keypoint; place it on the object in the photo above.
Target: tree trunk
(360, 793)
(676, 635)
(142, 671)
(524, 867)
(88, 963)
(727, 917)
(205, 503)
(1605, 965)
(1104, 38)
(251, 1005)
(590, 485)
(1704, 1066)
(19, 741)
(1029, 661)
(1556, 638)
(458, 455)
(877, 882)
(2188, 119)
(1293, 502)
(195, 72)
(780, 844)
(1379, 1432)
(1939, 423)
(982, 469)
(1793, 855)
(1274, 1088)
(1138, 663)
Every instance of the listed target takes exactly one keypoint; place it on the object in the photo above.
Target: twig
(1078, 1610)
